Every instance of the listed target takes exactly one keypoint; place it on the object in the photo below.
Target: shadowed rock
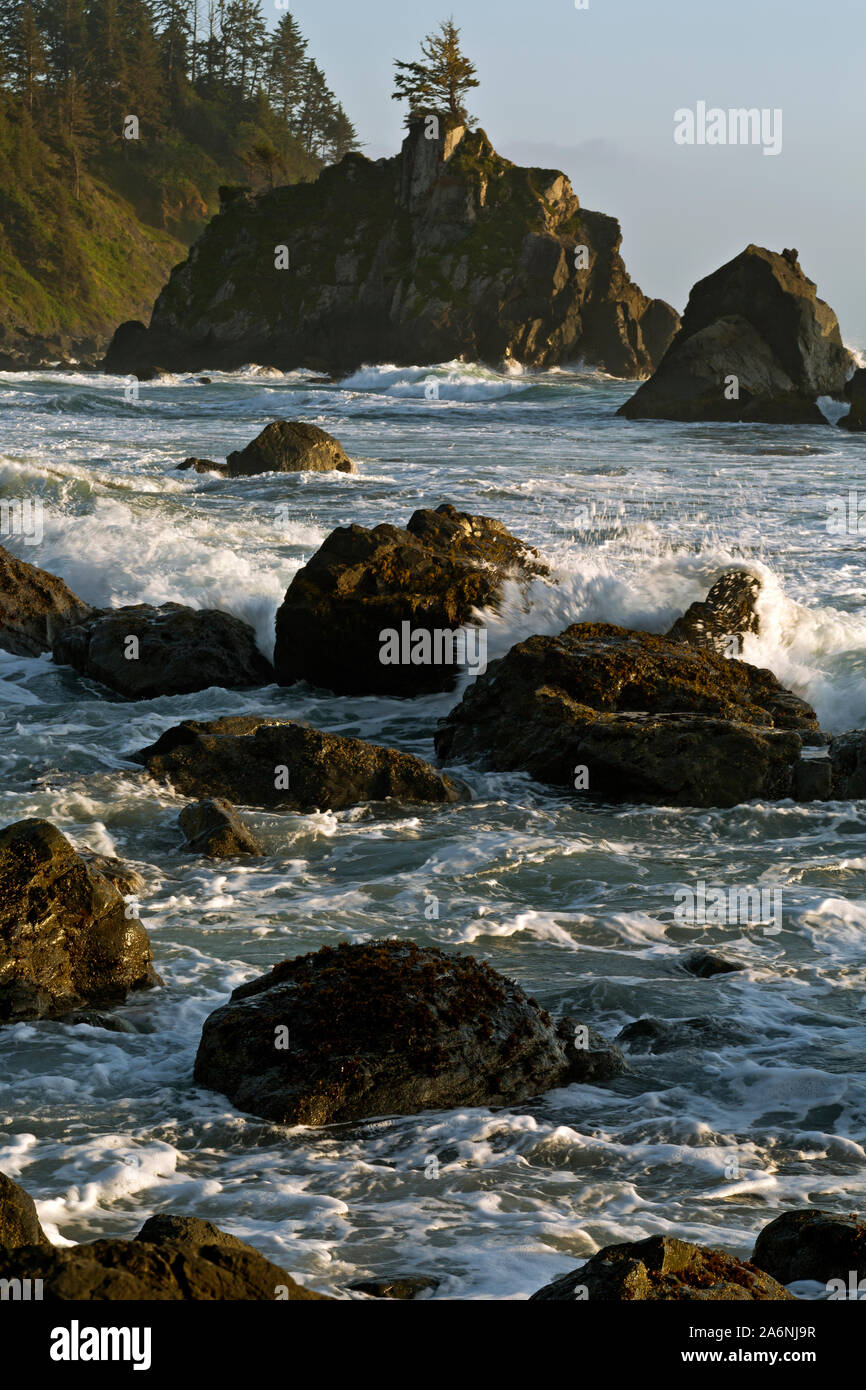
(388, 1028)
(19, 1224)
(724, 617)
(855, 392)
(276, 763)
(35, 607)
(812, 1244)
(360, 584)
(213, 827)
(755, 343)
(647, 718)
(176, 651)
(663, 1035)
(663, 1269)
(66, 937)
(705, 965)
(848, 766)
(412, 1286)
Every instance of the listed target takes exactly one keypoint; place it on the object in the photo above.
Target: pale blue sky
(594, 91)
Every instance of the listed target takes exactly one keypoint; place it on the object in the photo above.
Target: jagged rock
(663, 1269)
(433, 576)
(171, 1259)
(848, 766)
(96, 1018)
(855, 392)
(650, 720)
(706, 964)
(179, 650)
(65, 936)
(213, 827)
(289, 446)
(35, 607)
(203, 466)
(813, 776)
(388, 1027)
(728, 612)
(758, 319)
(241, 758)
(127, 881)
(19, 1224)
(662, 1035)
(404, 1288)
(445, 251)
(812, 1244)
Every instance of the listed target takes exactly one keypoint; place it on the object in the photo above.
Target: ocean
(577, 902)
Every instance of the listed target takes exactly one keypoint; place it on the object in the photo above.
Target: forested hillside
(119, 121)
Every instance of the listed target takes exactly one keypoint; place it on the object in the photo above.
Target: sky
(593, 91)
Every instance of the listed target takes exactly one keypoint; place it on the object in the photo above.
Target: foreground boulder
(663, 1269)
(813, 1244)
(724, 617)
(142, 652)
(445, 251)
(384, 1028)
(628, 716)
(66, 936)
(277, 763)
(213, 827)
(19, 1224)
(855, 391)
(755, 343)
(35, 607)
(172, 1259)
(356, 617)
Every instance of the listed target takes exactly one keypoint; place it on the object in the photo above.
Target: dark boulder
(663, 1035)
(361, 584)
(724, 617)
(203, 466)
(812, 1244)
(402, 1287)
(142, 652)
(289, 446)
(35, 607)
(388, 1027)
(757, 319)
(275, 763)
(705, 965)
(19, 1224)
(66, 936)
(645, 718)
(848, 766)
(172, 1259)
(855, 392)
(214, 828)
(663, 1269)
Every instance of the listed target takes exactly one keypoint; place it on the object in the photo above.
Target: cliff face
(447, 250)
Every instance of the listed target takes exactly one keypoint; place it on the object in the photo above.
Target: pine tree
(341, 137)
(441, 81)
(286, 60)
(245, 32)
(24, 51)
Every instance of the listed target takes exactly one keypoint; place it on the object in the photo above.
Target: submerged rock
(628, 716)
(203, 466)
(755, 343)
(664, 1035)
(257, 761)
(213, 827)
(19, 1223)
(362, 585)
(855, 392)
(66, 935)
(445, 251)
(404, 1288)
(35, 607)
(848, 766)
(724, 617)
(707, 964)
(388, 1027)
(812, 1244)
(142, 652)
(175, 1259)
(663, 1269)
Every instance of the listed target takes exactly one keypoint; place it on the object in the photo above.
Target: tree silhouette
(440, 82)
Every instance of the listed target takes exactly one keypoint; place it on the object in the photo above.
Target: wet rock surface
(812, 1244)
(35, 607)
(214, 828)
(19, 1223)
(663, 1269)
(725, 615)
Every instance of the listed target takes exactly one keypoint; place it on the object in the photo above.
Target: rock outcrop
(214, 828)
(724, 617)
(172, 1259)
(388, 1027)
(847, 760)
(142, 652)
(275, 763)
(663, 1269)
(284, 446)
(855, 392)
(19, 1223)
(66, 937)
(812, 1244)
(428, 579)
(755, 343)
(35, 607)
(628, 716)
(445, 251)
